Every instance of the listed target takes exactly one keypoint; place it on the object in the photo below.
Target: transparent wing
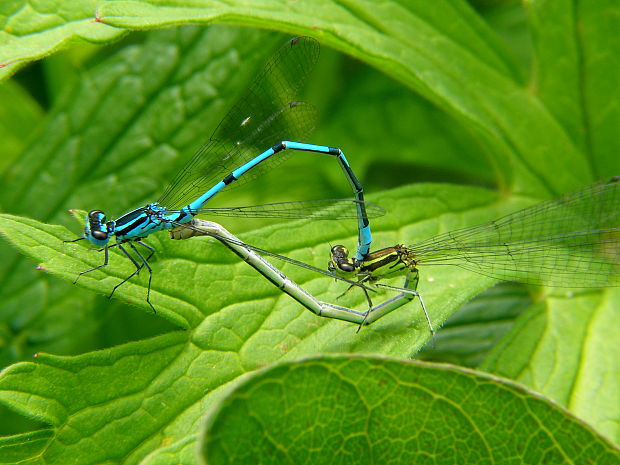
(265, 115)
(573, 241)
(315, 209)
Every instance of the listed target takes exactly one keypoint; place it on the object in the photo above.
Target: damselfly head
(96, 229)
(339, 252)
(339, 261)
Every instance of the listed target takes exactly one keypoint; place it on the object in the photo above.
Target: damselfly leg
(139, 265)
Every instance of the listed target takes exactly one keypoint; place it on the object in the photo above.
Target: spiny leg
(410, 287)
(370, 307)
(135, 263)
(366, 277)
(148, 267)
(75, 240)
(151, 249)
(428, 319)
(369, 303)
(138, 266)
(105, 263)
(368, 300)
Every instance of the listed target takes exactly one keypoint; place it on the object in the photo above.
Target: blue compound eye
(96, 216)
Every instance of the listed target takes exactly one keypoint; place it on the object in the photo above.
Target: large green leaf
(578, 61)
(234, 321)
(565, 349)
(18, 113)
(469, 335)
(360, 410)
(32, 30)
(126, 123)
(444, 52)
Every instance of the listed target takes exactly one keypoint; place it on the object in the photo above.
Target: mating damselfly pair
(572, 241)
(255, 135)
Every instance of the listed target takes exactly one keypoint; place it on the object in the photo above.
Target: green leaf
(577, 53)
(32, 31)
(352, 409)
(443, 52)
(468, 73)
(99, 397)
(18, 448)
(236, 322)
(564, 350)
(469, 335)
(121, 131)
(18, 114)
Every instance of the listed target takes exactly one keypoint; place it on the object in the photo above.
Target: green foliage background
(450, 113)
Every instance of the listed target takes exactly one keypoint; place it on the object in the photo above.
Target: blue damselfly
(256, 133)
